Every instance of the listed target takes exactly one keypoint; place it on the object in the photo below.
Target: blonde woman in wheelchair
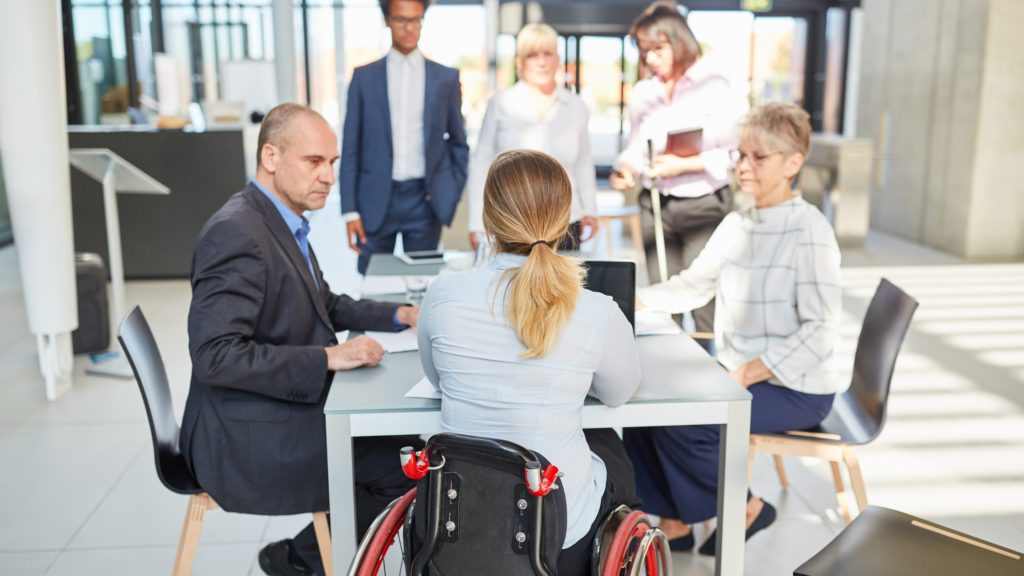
(516, 347)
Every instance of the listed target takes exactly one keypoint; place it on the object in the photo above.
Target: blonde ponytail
(527, 201)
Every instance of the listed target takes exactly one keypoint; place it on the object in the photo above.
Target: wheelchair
(490, 507)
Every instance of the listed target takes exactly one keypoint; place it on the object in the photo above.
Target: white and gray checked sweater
(774, 274)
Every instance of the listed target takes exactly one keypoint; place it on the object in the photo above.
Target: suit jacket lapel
(284, 237)
(380, 86)
(430, 89)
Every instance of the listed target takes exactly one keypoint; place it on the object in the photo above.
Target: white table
(681, 385)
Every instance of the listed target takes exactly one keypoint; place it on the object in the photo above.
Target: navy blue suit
(417, 208)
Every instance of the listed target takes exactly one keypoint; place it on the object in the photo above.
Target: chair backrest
(140, 348)
(885, 325)
(497, 526)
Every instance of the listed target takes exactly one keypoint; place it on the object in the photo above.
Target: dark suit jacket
(253, 432)
(366, 152)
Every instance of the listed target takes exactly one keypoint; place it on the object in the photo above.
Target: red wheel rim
(385, 536)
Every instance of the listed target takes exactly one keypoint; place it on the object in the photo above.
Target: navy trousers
(677, 466)
(409, 212)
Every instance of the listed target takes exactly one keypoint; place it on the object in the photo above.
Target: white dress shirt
(406, 75)
(472, 356)
(774, 275)
(701, 98)
(406, 93)
(512, 122)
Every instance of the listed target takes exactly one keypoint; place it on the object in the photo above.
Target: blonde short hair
(534, 34)
(782, 126)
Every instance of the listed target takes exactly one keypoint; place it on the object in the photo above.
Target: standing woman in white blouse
(680, 92)
(773, 271)
(538, 114)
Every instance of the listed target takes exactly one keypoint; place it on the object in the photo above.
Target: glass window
(601, 90)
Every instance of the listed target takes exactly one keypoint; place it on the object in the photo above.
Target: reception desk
(202, 169)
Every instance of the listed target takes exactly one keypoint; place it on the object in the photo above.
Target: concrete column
(284, 51)
(939, 93)
(34, 149)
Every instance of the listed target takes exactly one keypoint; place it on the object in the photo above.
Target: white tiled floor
(78, 492)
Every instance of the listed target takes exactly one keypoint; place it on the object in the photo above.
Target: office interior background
(924, 95)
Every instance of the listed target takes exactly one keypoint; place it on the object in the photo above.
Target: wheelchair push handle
(413, 466)
(540, 483)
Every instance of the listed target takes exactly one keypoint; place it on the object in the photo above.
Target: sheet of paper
(650, 323)
(424, 389)
(380, 285)
(403, 341)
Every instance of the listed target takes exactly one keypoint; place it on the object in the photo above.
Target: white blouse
(471, 355)
(700, 99)
(774, 275)
(511, 123)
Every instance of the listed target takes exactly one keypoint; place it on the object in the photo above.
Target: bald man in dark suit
(262, 339)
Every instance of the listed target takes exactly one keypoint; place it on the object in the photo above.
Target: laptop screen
(615, 278)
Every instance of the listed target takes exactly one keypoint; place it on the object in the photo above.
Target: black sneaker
(280, 559)
(682, 544)
(763, 520)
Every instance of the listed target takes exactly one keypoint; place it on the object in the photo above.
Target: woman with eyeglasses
(538, 114)
(679, 92)
(773, 271)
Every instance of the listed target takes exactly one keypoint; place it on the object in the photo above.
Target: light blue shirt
(297, 225)
(472, 356)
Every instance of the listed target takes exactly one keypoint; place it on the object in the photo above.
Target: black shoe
(682, 544)
(763, 520)
(280, 559)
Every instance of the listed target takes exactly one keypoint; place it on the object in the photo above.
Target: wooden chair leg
(198, 504)
(853, 465)
(323, 540)
(841, 494)
(606, 223)
(781, 469)
(638, 239)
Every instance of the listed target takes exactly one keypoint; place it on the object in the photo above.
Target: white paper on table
(403, 341)
(424, 389)
(650, 323)
(381, 285)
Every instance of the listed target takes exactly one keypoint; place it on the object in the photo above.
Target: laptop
(615, 278)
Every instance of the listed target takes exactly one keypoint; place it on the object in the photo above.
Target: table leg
(732, 490)
(341, 486)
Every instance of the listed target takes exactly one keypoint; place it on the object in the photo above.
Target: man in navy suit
(404, 152)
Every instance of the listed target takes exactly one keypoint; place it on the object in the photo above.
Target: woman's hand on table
(639, 304)
(751, 373)
(669, 165)
(409, 315)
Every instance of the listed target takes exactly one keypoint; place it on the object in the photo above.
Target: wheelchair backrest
(483, 516)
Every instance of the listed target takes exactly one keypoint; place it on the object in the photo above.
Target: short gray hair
(276, 126)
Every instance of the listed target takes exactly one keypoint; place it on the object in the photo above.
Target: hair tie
(538, 242)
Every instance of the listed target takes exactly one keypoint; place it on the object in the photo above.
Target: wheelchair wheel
(382, 536)
(637, 546)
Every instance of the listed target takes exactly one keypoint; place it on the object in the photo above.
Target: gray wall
(940, 74)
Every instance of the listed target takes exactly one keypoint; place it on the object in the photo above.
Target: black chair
(884, 542)
(140, 348)
(484, 506)
(858, 415)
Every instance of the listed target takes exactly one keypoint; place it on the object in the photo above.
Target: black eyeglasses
(399, 21)
(756, 159)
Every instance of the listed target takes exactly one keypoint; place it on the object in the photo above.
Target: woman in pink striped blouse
(679, 92)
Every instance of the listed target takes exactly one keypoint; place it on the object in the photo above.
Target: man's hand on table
(359, 351)
(409, 315)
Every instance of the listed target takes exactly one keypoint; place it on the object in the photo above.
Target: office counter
(202, 169)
